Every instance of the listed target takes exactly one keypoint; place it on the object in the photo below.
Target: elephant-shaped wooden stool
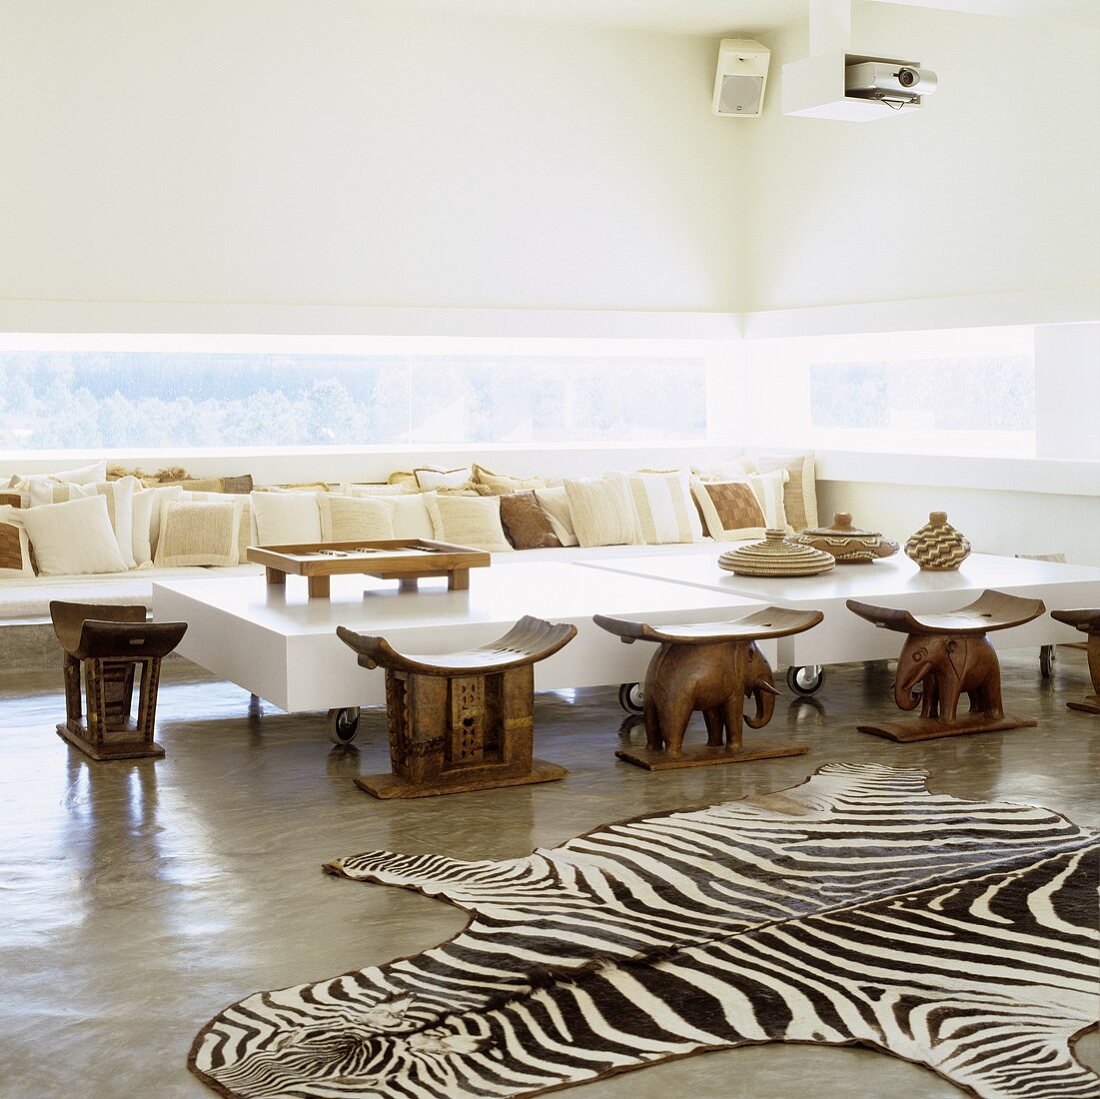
(712, 667)
(947, 655)
(1088, 622)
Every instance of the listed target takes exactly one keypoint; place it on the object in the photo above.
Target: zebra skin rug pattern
(857, 908)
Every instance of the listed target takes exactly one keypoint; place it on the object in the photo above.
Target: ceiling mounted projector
(891, 83)
(740, 79)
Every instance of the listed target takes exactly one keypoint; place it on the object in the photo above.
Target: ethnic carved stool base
(109, 643)
(461, 721)
(712, 667)
(947, 655)
(1087, 622)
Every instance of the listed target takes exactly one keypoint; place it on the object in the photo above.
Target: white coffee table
(893, 581)
(282, 646)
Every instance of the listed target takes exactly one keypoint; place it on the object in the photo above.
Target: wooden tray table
(406, 560)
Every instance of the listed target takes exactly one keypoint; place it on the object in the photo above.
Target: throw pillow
(555, 503)
(411, 518)
(602, 511)
(525, 524)
(352, 518)
(727, 470)
(402, 488)
(146, 512)
(662, 502)
(428, 478)
(231, 486)
(800, 494)
(769, 491)
(119, 496)
(499, 484)
(15, 549)
(468, 521)
(82, 475)
(286, 518)
(730, 508)
(199, 532)
(11, 499)
(75, 537)
(246, 533)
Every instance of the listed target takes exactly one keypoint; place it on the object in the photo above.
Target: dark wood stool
(465, 720)
(111, 642)
(1088, 622)
(712, 667)
(946, 655)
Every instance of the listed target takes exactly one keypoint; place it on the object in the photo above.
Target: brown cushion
(13, 549)
(234, 486)
(736, 504)
(12, 499)
(525, 523)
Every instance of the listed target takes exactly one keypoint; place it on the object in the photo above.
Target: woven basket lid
(846, 542)
(776, 556)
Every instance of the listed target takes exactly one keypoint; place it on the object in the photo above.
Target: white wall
(362, 153)
(990, 188)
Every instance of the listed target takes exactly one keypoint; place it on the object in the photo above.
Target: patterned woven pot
(938, 546)
(776, 556)
(848, 544)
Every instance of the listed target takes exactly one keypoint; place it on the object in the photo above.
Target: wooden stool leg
(74, 712)
(1090, 704)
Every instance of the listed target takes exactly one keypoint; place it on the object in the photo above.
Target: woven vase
(848, 544)
(776, 556)
(938, 546)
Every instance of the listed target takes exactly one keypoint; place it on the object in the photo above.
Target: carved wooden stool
(1087, 622)
(111, 642)
(712, 667)
(948, 654)
(461, 721)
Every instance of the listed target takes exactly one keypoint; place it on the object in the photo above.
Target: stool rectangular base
(391, 786)
(921, 728)
(705, 756)
(1090, 704)
(134, 749)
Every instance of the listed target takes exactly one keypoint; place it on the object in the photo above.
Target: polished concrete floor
(139, 898)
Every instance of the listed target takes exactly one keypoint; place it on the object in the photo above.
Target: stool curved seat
(992, 610)
(527, 642)
(69, 618)
(760, 625)
(1084, 620)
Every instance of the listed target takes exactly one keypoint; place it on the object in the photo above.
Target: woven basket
(848, 544)
(776, 556)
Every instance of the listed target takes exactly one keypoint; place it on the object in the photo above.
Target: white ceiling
(719, 17)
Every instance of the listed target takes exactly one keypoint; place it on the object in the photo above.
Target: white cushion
(81, 475)
(411, 518)
(15, 549)
(800, 493)
(468, 521)
(286, 518)
(430, 478)
(555, 503)
(118, 494)
(199, 532)
(729, 470)
(73, 537)
(352, 518)
(663, 504)
(402, 488)
(146, 513)
(603, 511)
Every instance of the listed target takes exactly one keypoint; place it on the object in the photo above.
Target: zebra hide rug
(857, 908)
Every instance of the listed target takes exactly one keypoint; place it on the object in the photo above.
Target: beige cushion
(500, 484)
(402, 488)
(146, 512)
(351, 518)
(74, 537)
(199, 532)
(731, 509)
(468, 521)
(246, 533)
(429, 478)
(15, 548)
(662, 502)
(286, 518)
(119, 496)
(728, 470)
(800, 494)
(555, 503)
(602, 511)
(411, 518)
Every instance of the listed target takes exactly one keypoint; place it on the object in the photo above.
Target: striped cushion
(664, 508)
(800, 493)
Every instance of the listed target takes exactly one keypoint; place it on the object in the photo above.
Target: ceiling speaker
(740, 79)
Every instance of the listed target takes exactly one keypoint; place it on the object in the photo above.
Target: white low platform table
(282, 646)
(893, 581)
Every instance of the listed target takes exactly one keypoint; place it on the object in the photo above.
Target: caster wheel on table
(806, 680)
(1047, 659)
(343, 724)
(632, 698)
